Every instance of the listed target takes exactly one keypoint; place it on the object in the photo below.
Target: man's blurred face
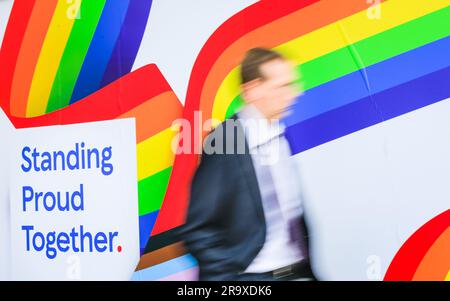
(274, 93)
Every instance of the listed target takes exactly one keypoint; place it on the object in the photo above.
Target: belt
(299, 270)
(293, 269)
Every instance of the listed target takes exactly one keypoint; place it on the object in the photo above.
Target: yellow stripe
(50, 57)
(332, 37)
(447, 278)
(155, 153)
(227, 91)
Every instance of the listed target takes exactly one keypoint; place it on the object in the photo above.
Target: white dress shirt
(269, 148)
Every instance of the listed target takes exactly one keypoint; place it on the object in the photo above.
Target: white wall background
(366, 193)
(5, 9)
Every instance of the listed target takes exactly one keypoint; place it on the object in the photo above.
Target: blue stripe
(384, 75)
(165, 269)
(369, 111)
(127, 45)
(100, 49)
(146, 223)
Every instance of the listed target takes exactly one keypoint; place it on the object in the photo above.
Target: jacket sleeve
(203, 233)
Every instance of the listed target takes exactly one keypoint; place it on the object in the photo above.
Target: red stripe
(12, 41)
(108, 103)
(407, 260)
(261, 13)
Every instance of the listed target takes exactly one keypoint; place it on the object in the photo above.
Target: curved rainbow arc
(222, 53)
(363, 49)
(332, 46)
(64, 58)
(435, 265)
(172, 211)
(425, 255)
(337, 65)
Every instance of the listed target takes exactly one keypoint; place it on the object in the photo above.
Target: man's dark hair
(254, 58)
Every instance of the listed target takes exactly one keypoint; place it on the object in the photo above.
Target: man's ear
(250, 93)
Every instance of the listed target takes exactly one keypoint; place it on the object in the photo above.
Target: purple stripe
(127, 46)
(369, 111)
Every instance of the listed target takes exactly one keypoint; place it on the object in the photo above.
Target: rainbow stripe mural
(70, 50)
(425, 255)
(340, 51)
(66, 63)
(357, 71)
(52, 60)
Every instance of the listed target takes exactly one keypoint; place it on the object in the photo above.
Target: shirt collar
(258, 130)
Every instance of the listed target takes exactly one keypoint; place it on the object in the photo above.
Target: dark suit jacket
(225, 226)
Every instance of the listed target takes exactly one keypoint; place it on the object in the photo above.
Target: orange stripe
(436, 262)
(161, 255)
(271, 35)
(29, 54)
(155, 115)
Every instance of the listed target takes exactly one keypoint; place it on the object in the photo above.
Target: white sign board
(73, 202)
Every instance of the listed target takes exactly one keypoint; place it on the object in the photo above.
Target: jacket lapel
(248, 170)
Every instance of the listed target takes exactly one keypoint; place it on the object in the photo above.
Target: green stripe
(372, 50)
(74, 54)
(151, 191)
(234, 106)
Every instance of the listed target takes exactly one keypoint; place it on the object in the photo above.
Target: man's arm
(202, 233)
